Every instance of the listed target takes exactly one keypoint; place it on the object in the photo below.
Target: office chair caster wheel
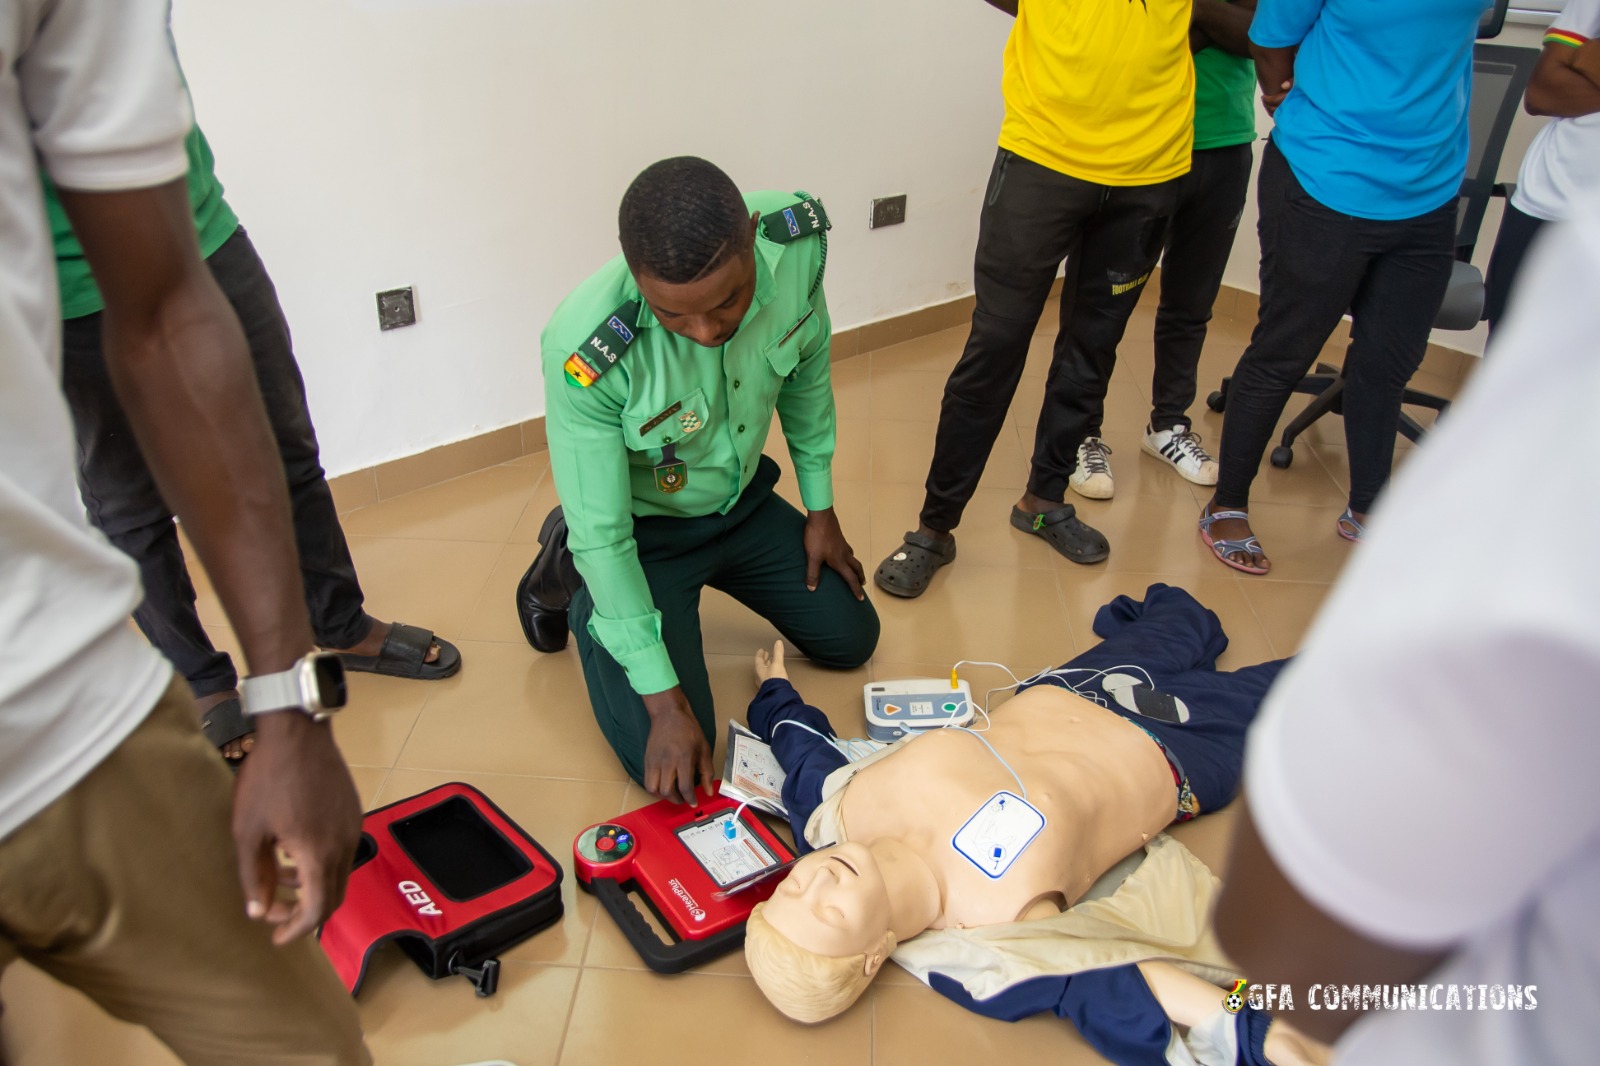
(1282, 456)
(1217, 401)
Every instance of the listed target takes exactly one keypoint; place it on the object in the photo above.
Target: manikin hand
(770, 665)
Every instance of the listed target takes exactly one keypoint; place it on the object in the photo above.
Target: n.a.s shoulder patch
(802, 219)
(605, 346)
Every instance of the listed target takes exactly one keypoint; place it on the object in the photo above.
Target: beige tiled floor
(517, 724)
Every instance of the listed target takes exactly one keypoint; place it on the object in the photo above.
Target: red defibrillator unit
(701, 868)
(451, 879)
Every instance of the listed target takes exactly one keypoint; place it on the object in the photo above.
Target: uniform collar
(767, 256)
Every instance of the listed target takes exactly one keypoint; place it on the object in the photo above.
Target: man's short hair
(681, 219)
(805, 986)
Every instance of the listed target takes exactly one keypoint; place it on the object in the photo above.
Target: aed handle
(657, 954)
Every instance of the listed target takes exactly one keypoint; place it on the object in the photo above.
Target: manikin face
(710, 309)
(834, 902)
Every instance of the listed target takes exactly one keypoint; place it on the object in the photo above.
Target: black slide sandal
(405, 653)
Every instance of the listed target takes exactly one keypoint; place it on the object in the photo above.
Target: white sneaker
(1092, 478)
(1180, 448)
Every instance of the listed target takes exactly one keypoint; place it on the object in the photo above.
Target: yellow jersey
(1101, 90)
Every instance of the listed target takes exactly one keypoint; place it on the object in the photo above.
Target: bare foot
(1038, 504)
(1236, 529)
(233, 750)
(770, 664)
(936, 534)
(373, 643)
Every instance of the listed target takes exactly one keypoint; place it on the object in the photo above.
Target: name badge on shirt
(998, 834)
(672, 473)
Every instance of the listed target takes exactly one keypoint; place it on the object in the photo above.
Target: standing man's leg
(126, 888)
(123, 501)
(1517, 232)
(1115, 255)
(1199, 242)
(1312, 263)
(333, 592)
(1393, 311)
(1031, 215)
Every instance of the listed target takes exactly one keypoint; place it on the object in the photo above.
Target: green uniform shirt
(713, 406)
(214, 222)
(1224, 99)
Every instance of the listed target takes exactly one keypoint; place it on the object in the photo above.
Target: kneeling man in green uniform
(662, 372)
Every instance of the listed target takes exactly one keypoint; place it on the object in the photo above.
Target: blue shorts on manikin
(1176, 641)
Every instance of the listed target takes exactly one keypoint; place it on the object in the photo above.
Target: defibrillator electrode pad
(898, 708)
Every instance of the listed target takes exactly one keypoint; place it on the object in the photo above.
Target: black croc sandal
(1064, 532)
(907, 572)
(225, 723)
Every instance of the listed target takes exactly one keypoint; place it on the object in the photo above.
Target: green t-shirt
(214, 222)
(1224, 99)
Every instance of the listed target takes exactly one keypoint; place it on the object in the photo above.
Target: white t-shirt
(1562, 167)
(1426, 770)
(93, 87)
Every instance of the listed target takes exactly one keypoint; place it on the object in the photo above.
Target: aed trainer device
(688, 862)
(451, 879)
(899, 708)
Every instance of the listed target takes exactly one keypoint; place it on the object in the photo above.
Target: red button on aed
(605, 843)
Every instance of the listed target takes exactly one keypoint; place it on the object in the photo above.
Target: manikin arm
(807, 758)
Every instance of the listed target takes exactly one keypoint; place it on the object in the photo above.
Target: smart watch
(314, 686)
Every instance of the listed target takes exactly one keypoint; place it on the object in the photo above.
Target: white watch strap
(273, 692)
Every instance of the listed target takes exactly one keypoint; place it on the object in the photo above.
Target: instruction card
(751, 773)
(998, 834)
(726, 859)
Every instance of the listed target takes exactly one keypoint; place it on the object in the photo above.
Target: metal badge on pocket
(672, 473)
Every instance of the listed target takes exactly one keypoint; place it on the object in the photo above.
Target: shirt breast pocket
(682, 424)
(783, 354)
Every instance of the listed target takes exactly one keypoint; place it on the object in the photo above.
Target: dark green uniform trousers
(756, 554)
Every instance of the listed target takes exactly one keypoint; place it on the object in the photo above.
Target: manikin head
(690, 244)
(817, 943)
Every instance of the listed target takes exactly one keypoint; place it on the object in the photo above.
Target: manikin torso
(1101, 783)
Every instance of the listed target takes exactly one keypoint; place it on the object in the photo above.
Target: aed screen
(726, 859)
(459, 850)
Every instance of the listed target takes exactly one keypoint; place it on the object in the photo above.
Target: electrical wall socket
(887, 211)
(396, 308)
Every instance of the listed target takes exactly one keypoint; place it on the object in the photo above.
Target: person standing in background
(1562, 165)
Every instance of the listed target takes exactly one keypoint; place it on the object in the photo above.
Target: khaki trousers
(125, 888)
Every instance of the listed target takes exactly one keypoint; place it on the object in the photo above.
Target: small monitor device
(898, 708)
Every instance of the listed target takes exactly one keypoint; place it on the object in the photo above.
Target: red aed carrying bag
(451, 879)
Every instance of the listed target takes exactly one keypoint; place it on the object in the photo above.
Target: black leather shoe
(545, 591)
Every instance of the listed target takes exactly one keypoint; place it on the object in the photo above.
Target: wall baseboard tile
(362, 488)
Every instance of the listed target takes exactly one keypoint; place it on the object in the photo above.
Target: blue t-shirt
(1376, 124)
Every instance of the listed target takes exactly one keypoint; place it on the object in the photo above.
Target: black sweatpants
(122, 500)
(1316, 264)
(1032, 217)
